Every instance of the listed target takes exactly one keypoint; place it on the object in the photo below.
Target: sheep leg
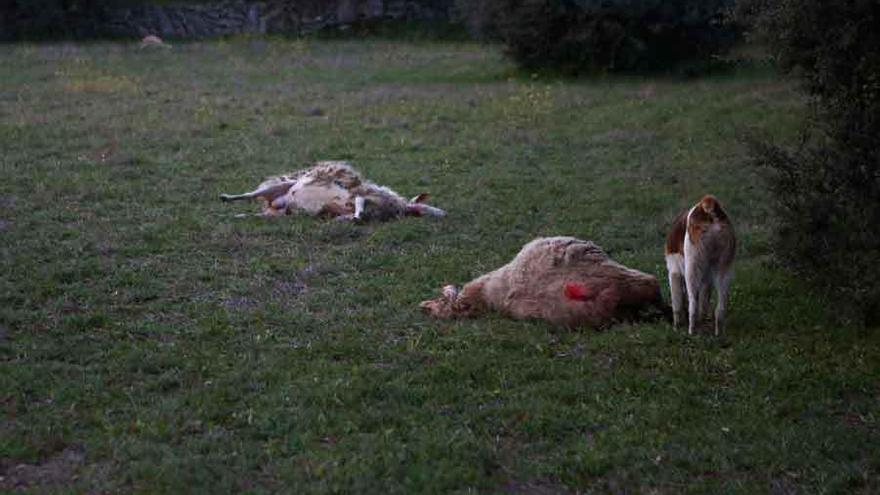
(269, 192)
(268, 212)
(359, 203)
(430, 211)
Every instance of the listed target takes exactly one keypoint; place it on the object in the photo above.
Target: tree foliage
(827, 191)
(612, 35)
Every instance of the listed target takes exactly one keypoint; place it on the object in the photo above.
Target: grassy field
(150, 342)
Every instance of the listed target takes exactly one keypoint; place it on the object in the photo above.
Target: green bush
(613, 35)
(827, 191)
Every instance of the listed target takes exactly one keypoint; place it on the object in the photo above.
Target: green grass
(150, 342)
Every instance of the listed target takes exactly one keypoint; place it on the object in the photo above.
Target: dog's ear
(710, 204)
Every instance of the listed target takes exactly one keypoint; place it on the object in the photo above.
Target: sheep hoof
(349, 218)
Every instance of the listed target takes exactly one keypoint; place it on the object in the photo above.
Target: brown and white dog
(700, 249)
(333, 189)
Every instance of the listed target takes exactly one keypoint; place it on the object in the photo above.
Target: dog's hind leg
(705, 301)
(722, 287)
(674, 266)
(695, 278)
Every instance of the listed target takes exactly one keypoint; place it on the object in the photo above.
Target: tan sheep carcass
(334, 189)
(566, 281)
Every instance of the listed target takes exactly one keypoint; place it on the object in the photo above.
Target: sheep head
(454, 303)
(442, 307)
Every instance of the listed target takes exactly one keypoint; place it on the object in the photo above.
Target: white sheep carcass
(333, 189)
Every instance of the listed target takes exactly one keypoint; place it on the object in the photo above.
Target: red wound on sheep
(576, 291)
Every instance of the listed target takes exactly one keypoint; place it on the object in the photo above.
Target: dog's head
(712, 207)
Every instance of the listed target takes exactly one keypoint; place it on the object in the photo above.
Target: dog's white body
(700, 250)
(333, 189)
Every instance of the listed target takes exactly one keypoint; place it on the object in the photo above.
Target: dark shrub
(612, 35)
(39, 19)
(478, 17)
(827, 191)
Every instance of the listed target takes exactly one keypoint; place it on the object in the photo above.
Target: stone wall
(263, 17)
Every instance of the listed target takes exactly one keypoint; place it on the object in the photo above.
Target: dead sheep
(333, 189)
(566, 281)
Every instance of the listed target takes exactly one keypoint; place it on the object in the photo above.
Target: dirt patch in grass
(283, 291)
(341, 234)
(535, 487)
(765, 92)
(646, 91)
(623, 136)
(240, 303)
(104, 153)
(6, 203)
(288, 288)
(58, 471)
(783, 486)
(381, 94)
(850, 418)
